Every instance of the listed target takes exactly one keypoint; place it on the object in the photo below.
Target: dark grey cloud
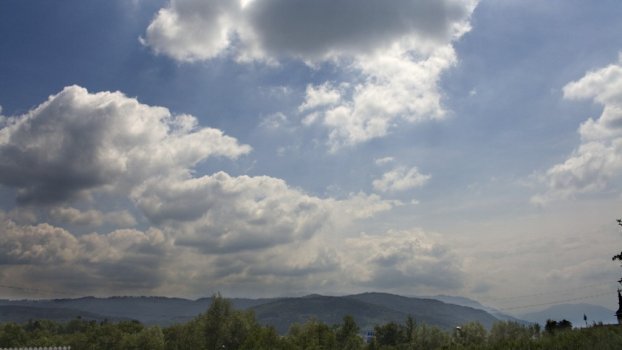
(317, 29)
(266, 29)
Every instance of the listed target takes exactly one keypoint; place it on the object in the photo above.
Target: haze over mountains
(368, 309)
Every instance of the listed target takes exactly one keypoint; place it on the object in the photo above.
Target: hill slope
(22, 314)
(281, 314)
(430, 311)
(477, 305)
(368, 309)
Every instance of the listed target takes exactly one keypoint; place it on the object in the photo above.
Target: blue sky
(273, 147)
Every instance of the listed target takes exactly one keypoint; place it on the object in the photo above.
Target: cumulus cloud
(44, 253)
(91, 217)
(400, 179)
(190, 30)
(40, 244)
(76, 148)
(394, 51)
(398, 259)
(78, 141)
(76, 217)
(320, 96)
(598, 159)
(397, 86)
(221, 213)
(361, 206)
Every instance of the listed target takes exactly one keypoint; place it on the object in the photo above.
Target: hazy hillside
(430, 311)
(573, 313)
(148, 310)
(331, 310)
(21, 314)
(477, 305)
(368, 309)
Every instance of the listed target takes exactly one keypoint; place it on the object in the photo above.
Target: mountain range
(368, 309)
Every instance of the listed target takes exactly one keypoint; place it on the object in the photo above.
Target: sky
(286, 147)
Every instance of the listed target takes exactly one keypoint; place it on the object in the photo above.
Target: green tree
(470, 334)
(428, 337)
(151, 338)
(185, 336)
(313, 335)
(347, 335)
(507, 334)
(264, 338)
(225, 328)
(389, 334)
(12, 335)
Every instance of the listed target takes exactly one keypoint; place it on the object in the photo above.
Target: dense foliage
(222, 327)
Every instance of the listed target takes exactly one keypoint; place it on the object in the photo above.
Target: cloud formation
(76, 148)
(393, 51)
(396, 86)
(77, 141)
(221, 213)
(91, 217)
(190, 30)
(48, 255)
(403, 259)
(400, 179)
(598, 159)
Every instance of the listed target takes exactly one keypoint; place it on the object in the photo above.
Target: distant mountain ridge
(477, 305)
(368, 309)
(573, 313)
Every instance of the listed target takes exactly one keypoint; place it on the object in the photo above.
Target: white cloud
(77, 142)
(320, 96)
(384, 160)
(274, 121)
(40, 244)
(76, 217)
(400, 179)
(91, 217)
(229, 230)
(598, 159)
(47, 256)
(396, 88)
(120, 218)
(402, 259)
(191, 30)
(221, 213)
(394, 52)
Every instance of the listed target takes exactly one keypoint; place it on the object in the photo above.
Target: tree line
(223, 327)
